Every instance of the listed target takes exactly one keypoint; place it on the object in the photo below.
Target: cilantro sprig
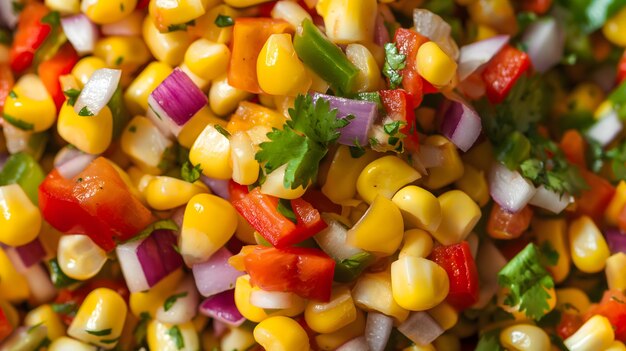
(303, 141)
(394, 61)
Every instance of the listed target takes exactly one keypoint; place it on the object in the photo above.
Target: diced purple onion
(364, 112)
(177, 99)
(357, 344)
(71, 168)
(381, 34)
(147, 261)
(8, 18)
(31, 253)
(474, 55)
(178, 215)
(215, 275)
(219, 328)
(80, 32)
(489, 261)
(377, 330)
(545, 43)
(41, 287)
(222, 307)
(461, 125)
(420, 328)
(605, 129)
(98, 90)
(616, 240)
(184, 308)
(509, 189)
(219, 187)
(550, 200)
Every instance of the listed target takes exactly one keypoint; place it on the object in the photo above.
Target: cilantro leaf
(394, 61)
(103, 332)
(18, 123)
(489, 341)
(189, 172)
(316, 120)
(222, 131)
(175, 333)
(53, 18)
(85, 112)
(160, 224)
(548, 252)
(72, 96)
(170, 301)
(141, 329)
(284, 208)
(224, 21)
(617, 156)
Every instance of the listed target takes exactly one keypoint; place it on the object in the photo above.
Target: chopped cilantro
(527, 281)
(59, 279)
(550, 255)
(160, 224)
(189, 172)
(12, 94)
(350, 268)
(357, 150)
(53, 19)
(284, 208)
(72, 96)
(394, 61)
(18, 123)
(122, 7)
(181, 26)
(170, 301)
(489, 341)
(303, 141)
(64, 308)
(85, 112)
(224, 21)
(103, 332)
(617, 299)
(392, 128)
(617, 156)
(141, 328)
(110, 341)
(119, 60)
(222, 131)
(174, 333)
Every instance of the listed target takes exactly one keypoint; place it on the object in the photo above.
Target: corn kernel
(149, 301)
(29, 106)
(137, 93)
(587, 245)
(420, 209)
(368, 78)
(223, 98)
(554, 232)
(616, 346)
(596, 334)
(244, 3)
(63, 6)
(328, 317)
(79, 257)
(249, 115)
(448, 342)
(212, 151)
(168, 16)
(274, 185)
(281, 334)
(585, 97)
(344, 170)
(13, 285)
(124, 52)
(615, 267)
(611, 214)
(84, 68)
(239, 338)
(474, 183)
(572, 300)
(417, 243)
(614, 28)
(522, 337)
(418, 284)
(380, 229)
(103, 12)
(445, 315)
(166, 193)
(165, 336)
(143, 142)
(168, 48)
(331, 341)
(384, 177)
(496, 14)
(92, 134)
(245, 166)
(343, 29)
(192, 129)
(206, 28)
(373, 292)
(279, 70)
(98, 318)
(207, 59)
(459, 216)
(435, 65)
(20, 219)
(450, 170)
(44, 315)
(291, 12)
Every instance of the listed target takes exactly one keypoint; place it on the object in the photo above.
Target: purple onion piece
(545, 43)
(219, 187)
(420, 328)
(166, 240)
(222, 307)
(381, 34)
(31, 253)
(364, 112)
(474, 55)
(616, 240)
(461, 125)
(215, 275)
(178, 97)
(150, 260)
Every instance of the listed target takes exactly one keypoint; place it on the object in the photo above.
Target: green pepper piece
(325, 58)
(514, 150)
(23, 169)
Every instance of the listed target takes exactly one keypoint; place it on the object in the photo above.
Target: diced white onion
(550, 200)
(509, 189)
(606, 129)
(98, 90)
(272, 299)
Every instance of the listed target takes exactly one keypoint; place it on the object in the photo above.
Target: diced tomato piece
(30, 35)
(596, 198)
(309, 220)
(621, 68)
(236, 190)
(458, 262)
(537, 6)
(96, 202)
(142, 4)
(399, 107)
(307, 272)
(506, 225)
(613, 307)
(5, 326)
(568, 325)
(6, 84)
(503, 71)
(265, 9)
(573, 146)
(50, 70)
(408, 41)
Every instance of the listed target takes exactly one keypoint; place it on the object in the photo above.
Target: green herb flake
(103, 332)
(170, 301)
(177, 27)
(166, 224)
(132, 129)
(110, 341)
(12, 94)
(18, 123)
(17, 6)
(224, 21)
(141, 329)
(222, 131)
(392, 128)
(189, 172)
(489, 341)
(84, 112)
(53, 19)
(59, 279)
(72, 95)
(284, 208)
(174, 333)
(357, 150)
(119, 60)
(64, 308)
(394, 61)
(550, 255)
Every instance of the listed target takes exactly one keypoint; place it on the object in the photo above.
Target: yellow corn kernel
(65, 7)
(328, 317)
(207, 59)
(554, 232)
(419, 207)
(418, 284)
(485, 32)
(480, 156)
(244, 231)
(64, 344)
(497, 14)
(164, 336)
(212, 151)
(450, 170)
(149, 301)
(206, 28)
(243, 289)
(209, 223)
(245, 166)
(596, 334)
(616, 346)
(380, 229)
(274, 185)
(13, 285)
(415, 347)
(524, 337)
(190, 131)
(474, 183)
(614, 28)
(85, 67)
(331, 341)
(281, 334)
(44, 315)
(373, 292)
(445, 315)
(615, 267)
(279, 70)
(343, 29)
(417, 243)
(572, 300)
(168, 16)
(435, 65)
(98, 320)
(103, 12)
(223, 98)
(79, 257)
(143, 142)
(617, 203)
(127, 53)
(587, 245)
(20, 219)
(29, 106)
(168, 48)
(249, 115)
(344, 170)
(368, 78)
(291, 12)
(585, 97)
(459, 216)
(448, 342)
(137, 93)
(384, 177)
(165, 193)
(244, 3)
(89, 134)
(239, 338)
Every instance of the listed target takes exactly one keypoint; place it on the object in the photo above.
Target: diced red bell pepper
(142, 4)
(322, 203)
(265, 9)
(573, 146)
(236, 190)
(458, 262)
(568, 325)
(96, 202)
(506, 225)
(307, 272)
(399, 107)
(50, 70)
(5, 326)
(537, 6)
(408, 42)
(261, 211)
(621, 68)
(249, 36)
(503, 71)
(612, 306)
(596, 198)
(30, 35)
(6, 84)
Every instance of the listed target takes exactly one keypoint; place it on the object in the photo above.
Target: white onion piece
(98, 90)
(8, 18)
(489, 261)
(127, 27)
(332, 240)
(606, 129)
(430, 156)
(356, 344)
(71, 168)
(16, 139)
(184, 308)
(41, 287)
(436, 29)
(25, 338)
(420, 328)
(66, 153)
(545, 42)
(377, 330)
(509, 189)
(550, 200)
(131, 267)
(474, 55)
(272, 299)
(80, 32)
(166, 126)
